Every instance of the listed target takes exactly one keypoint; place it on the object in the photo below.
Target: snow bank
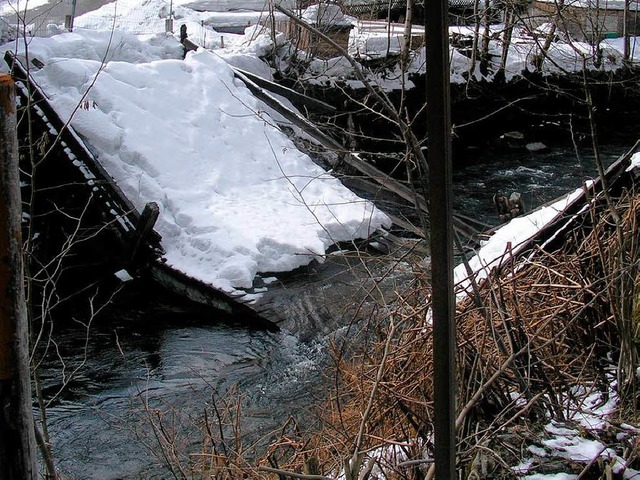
(14, 6)
(236, 196)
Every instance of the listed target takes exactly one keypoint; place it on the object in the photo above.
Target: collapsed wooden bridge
(75, 207)
(81, 196)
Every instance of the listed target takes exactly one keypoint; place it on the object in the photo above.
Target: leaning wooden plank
(295, 118)
(295, 97)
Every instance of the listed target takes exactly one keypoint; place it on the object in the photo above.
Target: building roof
(368, 5)
(634, 5)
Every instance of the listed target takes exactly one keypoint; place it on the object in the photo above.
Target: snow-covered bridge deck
(120, 234)
(235, 196)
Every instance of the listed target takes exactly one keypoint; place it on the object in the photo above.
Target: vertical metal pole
(441, 213)
(17, 438)
(73, 15)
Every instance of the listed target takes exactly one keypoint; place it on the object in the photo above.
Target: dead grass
(550, 320)
(561, 315)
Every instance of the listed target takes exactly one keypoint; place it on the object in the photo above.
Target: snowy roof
(233, 5)
(599, 4)
(360, 5)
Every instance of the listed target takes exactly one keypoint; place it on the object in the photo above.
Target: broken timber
(464, 227)
(120, 237)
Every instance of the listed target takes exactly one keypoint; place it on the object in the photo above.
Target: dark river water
(177, 369)
(142, 367)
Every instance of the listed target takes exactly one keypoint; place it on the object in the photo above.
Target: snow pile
(236, 196)
(326, 15)
(128, 16)
(634, 162)
(577, 439)
(8, 7)
(97, 46)
(233, 5)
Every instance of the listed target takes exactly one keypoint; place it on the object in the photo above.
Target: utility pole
(168, 23)
(441, 221)
(17, 438)
(70, 18)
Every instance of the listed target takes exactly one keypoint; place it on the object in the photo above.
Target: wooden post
(17, 439)
(441, 221)
(143, 231)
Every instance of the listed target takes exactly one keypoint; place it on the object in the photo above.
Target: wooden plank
(295, 97)
(144, 231)
(204, 294)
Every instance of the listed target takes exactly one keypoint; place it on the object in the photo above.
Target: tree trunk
(406, 47)
(506, 42)
(17, 439)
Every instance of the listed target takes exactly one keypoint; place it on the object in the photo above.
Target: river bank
(549, 109)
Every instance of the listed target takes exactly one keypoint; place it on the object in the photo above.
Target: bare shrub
(543, 323)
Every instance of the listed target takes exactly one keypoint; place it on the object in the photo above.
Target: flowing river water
(151, 362)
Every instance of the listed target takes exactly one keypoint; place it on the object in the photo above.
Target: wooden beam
(443, 303)
(17, 437)
(144, 232)
(295, 97)
(205, 295)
